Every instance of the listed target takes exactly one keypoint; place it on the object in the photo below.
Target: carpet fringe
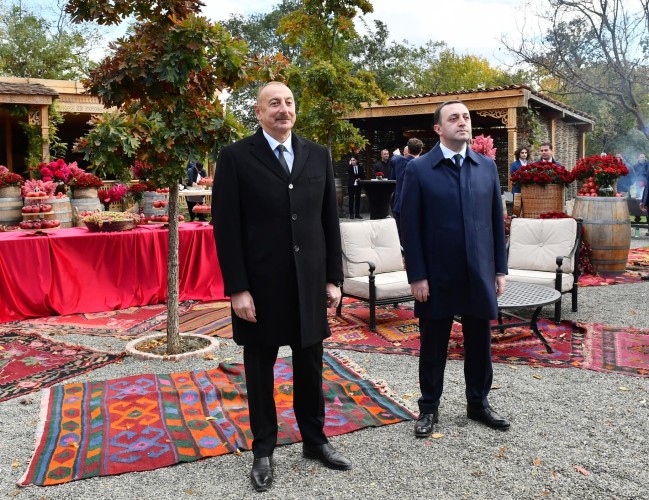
(381, 384)
(40, 429)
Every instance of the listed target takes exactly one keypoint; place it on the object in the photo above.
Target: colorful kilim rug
(29, 362)
(131, 323)
(205, 318)
(638, 259)
(150, 421)
(608, 279)
(616, 349)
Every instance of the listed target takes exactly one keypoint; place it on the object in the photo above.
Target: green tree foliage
(164, 79)
(598, 48)
(33, 46)
(259, 31)
(327, 87)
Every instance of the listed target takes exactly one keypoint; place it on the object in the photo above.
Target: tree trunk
(173, 320)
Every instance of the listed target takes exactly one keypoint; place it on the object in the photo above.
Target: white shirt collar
(274, 143)
(449, 153)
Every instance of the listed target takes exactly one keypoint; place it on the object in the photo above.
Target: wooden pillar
(8, 144)
(45, 132)
(512, 140)
(553, 130)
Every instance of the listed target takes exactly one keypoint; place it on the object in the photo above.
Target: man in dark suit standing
(275, 218)
(453, 236)
(354, 174)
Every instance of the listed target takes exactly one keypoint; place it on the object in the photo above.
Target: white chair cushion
(534, 244)
(541, 278)
(370, 240)
(388, 285)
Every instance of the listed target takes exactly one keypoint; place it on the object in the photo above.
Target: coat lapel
(260, 149)
(301, 152)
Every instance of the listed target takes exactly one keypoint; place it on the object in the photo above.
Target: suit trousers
(308, 396)
(354, 194)
(478, 370)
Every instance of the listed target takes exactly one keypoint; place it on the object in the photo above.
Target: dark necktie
(280, 149)
(458, 160)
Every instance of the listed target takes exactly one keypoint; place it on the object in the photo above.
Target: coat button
(541, 244)
(290, 186)
(296, 248)
(294, 216)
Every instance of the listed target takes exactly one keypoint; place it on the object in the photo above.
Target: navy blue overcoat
(453, 233)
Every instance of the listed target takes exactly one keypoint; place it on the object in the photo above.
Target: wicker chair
(546, 252)
(373, 265)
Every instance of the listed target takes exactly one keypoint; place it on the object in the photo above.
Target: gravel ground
(561, 419)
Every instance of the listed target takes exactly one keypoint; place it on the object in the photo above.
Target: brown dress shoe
(328, 455)
(261, 475)
(424, 424)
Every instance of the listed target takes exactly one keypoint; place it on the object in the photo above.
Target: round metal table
(525, 296)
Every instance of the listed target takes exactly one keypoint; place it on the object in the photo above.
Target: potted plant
(598, 175)
(484, 145)
(114, 194)
(85, 185)
(542, 187)
(10, 183)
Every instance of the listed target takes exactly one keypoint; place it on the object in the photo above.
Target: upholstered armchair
(546, 252)
(373, 265)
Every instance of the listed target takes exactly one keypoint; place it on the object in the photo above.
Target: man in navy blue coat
(453, 235)
(399, 163)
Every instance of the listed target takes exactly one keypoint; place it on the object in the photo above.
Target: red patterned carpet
(638, 259)
(29, 362)
(152, 421)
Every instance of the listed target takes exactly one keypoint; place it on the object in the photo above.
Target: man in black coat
(195, 172)
(354, 174)
(383, 165)
(275, 216)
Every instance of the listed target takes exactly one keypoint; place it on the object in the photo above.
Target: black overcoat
(278, 238)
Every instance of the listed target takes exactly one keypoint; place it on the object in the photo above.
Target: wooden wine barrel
(10, 211)
(607, 230)
(148, 199)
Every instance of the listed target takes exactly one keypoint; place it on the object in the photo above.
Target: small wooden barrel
(61, 210)
(10, 211)
(83, 193)
(80, 205)
(149, 198)
(607, 229)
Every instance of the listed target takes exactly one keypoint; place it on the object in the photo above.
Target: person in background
(355, 173)
(453, 236)
(410, 152)
(195, 172)
(275, 215)
(522, 155)
(547, 154)
(383, 165)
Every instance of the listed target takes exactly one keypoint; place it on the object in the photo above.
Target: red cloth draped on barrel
(74, 271)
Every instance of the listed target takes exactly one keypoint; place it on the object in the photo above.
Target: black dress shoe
(261, 475)
(328, 455)
(359, 216)
(424, 424)
(488, 417)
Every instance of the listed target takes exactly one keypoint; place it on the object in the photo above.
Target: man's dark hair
(437, 117)
(517, 153)
(415, 146)
(548, 144)
(199, 165)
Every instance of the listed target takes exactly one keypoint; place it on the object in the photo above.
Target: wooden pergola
(501, 112)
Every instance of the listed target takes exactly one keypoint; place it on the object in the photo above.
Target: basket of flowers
(10, 183)
(111, 221)
(542, 187)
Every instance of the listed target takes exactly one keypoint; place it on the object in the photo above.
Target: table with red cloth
(75, 271)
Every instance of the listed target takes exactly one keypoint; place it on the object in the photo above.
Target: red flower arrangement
(484, 145)
(542, 173)
(55, 171)
(9, 178)
(85, 180)
(113, 194)
(599, 171)
(135, 191)
(379, 175)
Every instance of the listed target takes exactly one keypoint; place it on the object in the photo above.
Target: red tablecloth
(74, 271)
